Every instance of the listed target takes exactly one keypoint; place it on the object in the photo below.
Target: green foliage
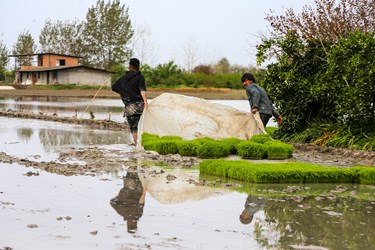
(119, 70)
(25, 45)
(250, 149)
(163, 75)
(353, 82)
(333, 135)
(106, 35)
(62, 37)
(4, 60)
(310, 84)
(287, 172)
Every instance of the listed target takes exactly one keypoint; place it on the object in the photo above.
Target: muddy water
(101, 108)
(142, 206)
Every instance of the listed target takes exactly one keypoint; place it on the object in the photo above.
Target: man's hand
(254, 110)
(279, 120)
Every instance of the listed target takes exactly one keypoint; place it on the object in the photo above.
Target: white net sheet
(191, 117)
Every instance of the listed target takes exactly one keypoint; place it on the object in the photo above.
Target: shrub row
(286, 172)
(258, 147)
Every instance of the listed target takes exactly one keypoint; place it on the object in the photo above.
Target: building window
(60, 62)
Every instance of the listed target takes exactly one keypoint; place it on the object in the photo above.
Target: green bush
(286, 172)
(250, 149)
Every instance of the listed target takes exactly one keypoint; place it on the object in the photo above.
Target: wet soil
(94, 160)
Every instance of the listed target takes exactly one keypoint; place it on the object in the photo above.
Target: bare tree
(143, 47)
(330, 19)
(190, 54)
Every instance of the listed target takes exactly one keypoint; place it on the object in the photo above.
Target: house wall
(50, 60)
(83, 76)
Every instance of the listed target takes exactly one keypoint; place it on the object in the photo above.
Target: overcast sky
(214, 28)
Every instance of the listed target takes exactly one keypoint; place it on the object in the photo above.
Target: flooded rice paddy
(138, 204)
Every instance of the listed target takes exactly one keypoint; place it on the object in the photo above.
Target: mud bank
(92, 123)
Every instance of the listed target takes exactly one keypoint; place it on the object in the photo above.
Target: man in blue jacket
(259, 101)
(132, 90)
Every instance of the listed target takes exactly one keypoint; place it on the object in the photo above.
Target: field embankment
(206, 93)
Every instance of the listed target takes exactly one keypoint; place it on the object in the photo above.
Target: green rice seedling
(278, 150)
(271, 130)
(166, 146)
(366, 175)
(188, 148)
(286, 172)
(212, 149)
(149, 145)
(149, 137)
(260, 138)
(231, 143)
(250, 149)
(171, 137)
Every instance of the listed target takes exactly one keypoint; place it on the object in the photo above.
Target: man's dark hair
(247, 76)
(134, 62)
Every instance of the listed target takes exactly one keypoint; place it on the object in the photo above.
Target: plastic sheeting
(191, 117)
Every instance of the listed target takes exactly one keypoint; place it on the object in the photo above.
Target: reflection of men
(253, 204)
(130, 200)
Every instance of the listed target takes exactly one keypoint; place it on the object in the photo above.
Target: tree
(61, 37)
(222, 66)
(107, 32)
(190, 54)
(4, 60)
(143, 47)
(329, 20)
(25, 45)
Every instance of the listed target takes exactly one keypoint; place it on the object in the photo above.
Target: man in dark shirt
(132, 90)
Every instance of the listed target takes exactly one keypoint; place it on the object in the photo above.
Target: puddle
(42, 140)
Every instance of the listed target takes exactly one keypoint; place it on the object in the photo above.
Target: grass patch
(287, 172)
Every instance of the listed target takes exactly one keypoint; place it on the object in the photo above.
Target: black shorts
(133, 121)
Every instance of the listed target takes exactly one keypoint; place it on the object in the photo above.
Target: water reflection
(130, 201)
(24, 137)
(326, 216)
(253, 204)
